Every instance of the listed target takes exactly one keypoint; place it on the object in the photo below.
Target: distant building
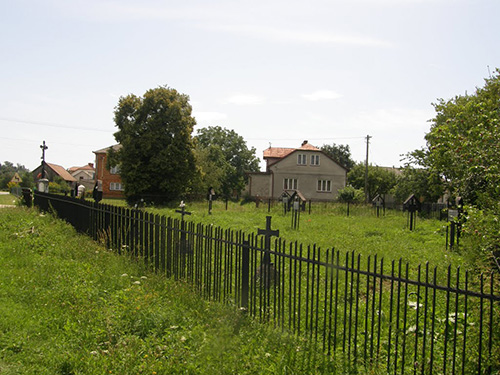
(84, 175)
(306, 170)
(52, 171)
(112, 186)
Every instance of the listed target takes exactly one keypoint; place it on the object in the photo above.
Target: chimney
(304, 143)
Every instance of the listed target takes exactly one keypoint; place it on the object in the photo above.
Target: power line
(53, 125)
(301, 139)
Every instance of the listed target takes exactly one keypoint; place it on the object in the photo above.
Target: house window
(324, 186)
(116, 186)
(115, 170)
(314, 159)
(290, 184)
(301, 159)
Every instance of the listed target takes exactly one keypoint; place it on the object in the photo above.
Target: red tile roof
(281, 152)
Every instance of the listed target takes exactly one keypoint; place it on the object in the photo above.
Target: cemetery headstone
(379, 204)
(266, 271)
(184, 248)
(296, 213)
(210, 198)
(412, 205)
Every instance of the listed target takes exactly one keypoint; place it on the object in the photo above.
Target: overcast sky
(275, 71)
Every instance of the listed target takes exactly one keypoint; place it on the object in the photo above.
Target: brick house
(306, 170)
(112, 186)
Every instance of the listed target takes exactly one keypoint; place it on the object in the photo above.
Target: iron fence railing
(366, 312)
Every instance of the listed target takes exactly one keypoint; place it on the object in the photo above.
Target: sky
(277, 72)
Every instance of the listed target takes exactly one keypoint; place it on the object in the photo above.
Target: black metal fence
(365, 312)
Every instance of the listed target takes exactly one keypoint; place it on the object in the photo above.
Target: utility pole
(367, 197)
(43, 147)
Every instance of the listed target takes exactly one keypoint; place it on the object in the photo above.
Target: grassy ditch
(70, 306)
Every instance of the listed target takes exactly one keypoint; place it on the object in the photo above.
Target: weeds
(70, 306)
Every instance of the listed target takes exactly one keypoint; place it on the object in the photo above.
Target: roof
(281, 152)
(105, 150)
(61, 172)
(277, 152)
(87, 167)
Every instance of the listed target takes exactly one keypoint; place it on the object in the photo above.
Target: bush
(351, 195)
(482, 232)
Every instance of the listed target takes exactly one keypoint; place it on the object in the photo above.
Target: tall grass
(71, 306)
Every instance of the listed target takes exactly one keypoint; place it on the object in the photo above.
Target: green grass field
(329, 227)
(69, 306)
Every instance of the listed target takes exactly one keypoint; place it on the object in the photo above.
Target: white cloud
(245, 99)
(301, 36)
(225, 17)
(322, 95)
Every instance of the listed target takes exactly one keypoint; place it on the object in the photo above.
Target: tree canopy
(463, 143)
(8, 170)
(340, 153)
(223, 159)
(157, 161)
(380, 180)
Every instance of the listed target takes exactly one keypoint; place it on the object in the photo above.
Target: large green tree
(463, 144)
(157, 161)
(227, 155)
(340, 153)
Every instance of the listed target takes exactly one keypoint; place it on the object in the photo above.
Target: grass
(70, 306)
(328, 226)
(8, 199)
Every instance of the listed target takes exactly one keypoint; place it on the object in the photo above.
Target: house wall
(259, 184)
(107, 178)
(307, 175)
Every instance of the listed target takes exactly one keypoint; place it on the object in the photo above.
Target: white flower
(137, 282)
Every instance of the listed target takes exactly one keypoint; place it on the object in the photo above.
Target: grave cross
(43, 147)
(268, 233)
(183, 211)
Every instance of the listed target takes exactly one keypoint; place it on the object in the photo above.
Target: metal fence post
(245, 274)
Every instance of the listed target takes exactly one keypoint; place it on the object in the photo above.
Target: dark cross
(183, 211)
(268, 233)
(43, 147)
(183, 243)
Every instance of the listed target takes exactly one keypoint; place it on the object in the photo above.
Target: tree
(340, 153)
(7, 171)
(156, 160)
(463, 143)
(227, 153)
(417, 178)
(419, 181)
(380, 180)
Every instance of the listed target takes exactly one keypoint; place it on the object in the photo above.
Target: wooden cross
(268, 233)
